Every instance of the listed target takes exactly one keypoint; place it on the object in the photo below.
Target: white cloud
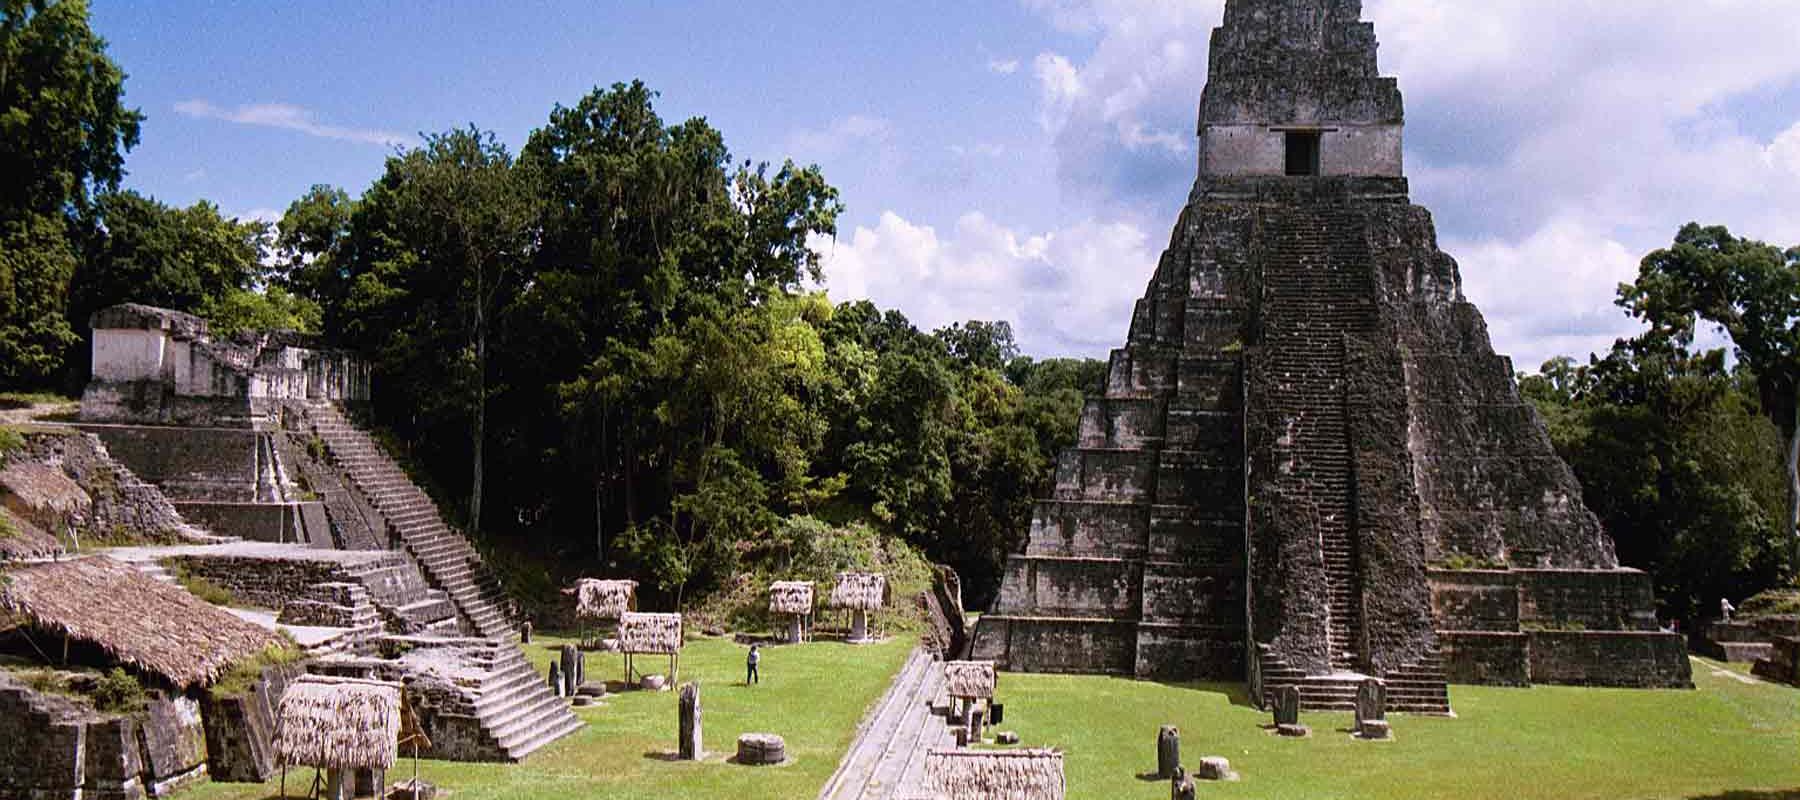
(1555, 145)
(1059, 84)
(287, 117)
(1065, 291)
(1784, 152)
(1551, 293)
(840, 136)
(1006, 66)
(269, 215)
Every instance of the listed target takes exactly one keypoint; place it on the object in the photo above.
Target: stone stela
(1307, 438)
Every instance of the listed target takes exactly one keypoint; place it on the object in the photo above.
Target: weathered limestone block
(1216, 768)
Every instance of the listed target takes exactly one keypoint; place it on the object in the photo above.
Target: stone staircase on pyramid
(507, 711)
(1314, 296)
(444, 556)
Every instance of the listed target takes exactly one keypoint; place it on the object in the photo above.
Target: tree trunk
(480, 432)
(599, 519)
(1793, 475)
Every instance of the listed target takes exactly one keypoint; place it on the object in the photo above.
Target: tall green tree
(312, 246)
(64, 129)
(662, 263)
(1675, 457)
(189, 259)
(1750, 291)
(447, 234)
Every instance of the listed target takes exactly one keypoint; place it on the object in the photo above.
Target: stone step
(568, 724)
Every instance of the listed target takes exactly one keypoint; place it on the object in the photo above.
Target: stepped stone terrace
(1307, 427)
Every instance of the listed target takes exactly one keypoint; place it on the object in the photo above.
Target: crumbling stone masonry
(1307, 428)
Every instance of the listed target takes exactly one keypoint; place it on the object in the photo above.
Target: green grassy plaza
(1734, 737)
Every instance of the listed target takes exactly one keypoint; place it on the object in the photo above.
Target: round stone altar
(761, 749)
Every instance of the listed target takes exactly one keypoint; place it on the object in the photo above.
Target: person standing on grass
(750, 674)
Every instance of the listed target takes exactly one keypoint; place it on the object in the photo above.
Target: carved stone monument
(1168, 751)
(1371, 710)
(690, 746)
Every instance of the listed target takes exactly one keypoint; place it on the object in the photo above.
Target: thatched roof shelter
(35, 489)
(866, 591)
(654, 634)
(791, 597)
(995, 774)
(156, 628)
(970, 679)
(603, 600)
(339, 723)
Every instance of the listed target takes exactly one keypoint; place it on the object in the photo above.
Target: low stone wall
(1604, 600)
(393, 582)
(302, 522)
(1189, 653)
(125, 509)
(266, 582)
(1071, 587)
(1490, 658)
(41, 755)
(1611, 658)
(1474, 600)
(187, 463)
(240, 729)
(1053, 645)
(1498, 600)
(57, 747)
(174, 744)
(156, 403)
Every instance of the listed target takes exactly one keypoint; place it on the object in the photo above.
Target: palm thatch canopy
(995, 774)
(156, 628)
(339, 723)
(791, 597)
(974, 679)
(603, 600)
(36, 489)
(654, 634)
(859, 590)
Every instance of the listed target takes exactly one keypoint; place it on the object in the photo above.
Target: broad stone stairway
(887, 759)
(1318, 293)
(445, 557)
(516, 709)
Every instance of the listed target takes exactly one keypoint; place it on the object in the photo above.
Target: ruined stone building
(235, 464)
(1309, 464)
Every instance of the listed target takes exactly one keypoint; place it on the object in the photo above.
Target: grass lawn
(1729, 740)
(813, 695)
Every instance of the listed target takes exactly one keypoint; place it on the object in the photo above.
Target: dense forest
(613, 351)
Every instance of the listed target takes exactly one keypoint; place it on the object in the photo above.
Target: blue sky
(1024, 160)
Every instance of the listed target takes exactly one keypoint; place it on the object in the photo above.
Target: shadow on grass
(1770, 794)
(1238, 694)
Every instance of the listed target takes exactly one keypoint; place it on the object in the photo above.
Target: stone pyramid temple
(1309, 466)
